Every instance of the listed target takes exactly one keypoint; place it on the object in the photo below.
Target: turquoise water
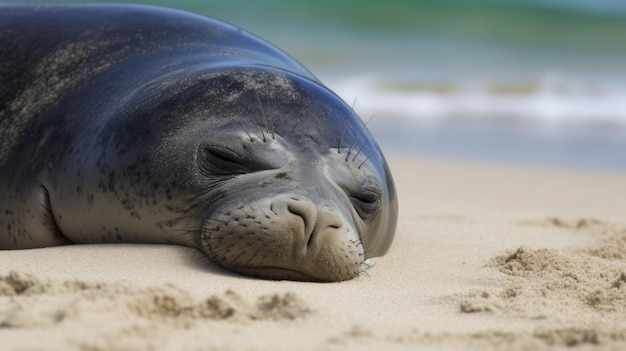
(525, 81)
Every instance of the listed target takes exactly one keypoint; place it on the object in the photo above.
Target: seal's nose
(316, 220)
(308, 213)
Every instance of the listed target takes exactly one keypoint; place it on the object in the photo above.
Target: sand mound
(28, 301)
(582, 291)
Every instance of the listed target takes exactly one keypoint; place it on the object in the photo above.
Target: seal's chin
(333, 263)
(277, 273)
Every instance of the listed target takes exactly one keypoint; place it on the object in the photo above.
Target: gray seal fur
(123, 123)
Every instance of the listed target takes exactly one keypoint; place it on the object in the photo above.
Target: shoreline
(565, 148)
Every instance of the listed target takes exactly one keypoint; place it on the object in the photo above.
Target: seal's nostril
(311, 235)
(308, 213)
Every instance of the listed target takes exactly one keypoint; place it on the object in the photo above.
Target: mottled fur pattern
(124, 123)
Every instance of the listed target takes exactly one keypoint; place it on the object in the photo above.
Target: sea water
(534, 82)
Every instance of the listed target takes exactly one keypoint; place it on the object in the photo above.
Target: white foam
(552, 99)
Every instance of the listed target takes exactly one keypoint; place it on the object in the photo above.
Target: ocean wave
(551, 99)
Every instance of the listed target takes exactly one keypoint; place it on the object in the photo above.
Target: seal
(137, 124)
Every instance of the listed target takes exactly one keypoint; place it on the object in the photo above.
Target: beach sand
(485, 257)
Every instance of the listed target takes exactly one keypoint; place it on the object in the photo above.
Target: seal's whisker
(358, 151)
(265, 214)
(365, 160)
(357, 242)
(246, 213)
(356, 138)
(343, 134)
(215, 255)
(258, 99)
(244, 130)
(242, 251)
(353, 104)
(250, 207)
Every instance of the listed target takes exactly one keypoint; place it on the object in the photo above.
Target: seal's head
(284, 179)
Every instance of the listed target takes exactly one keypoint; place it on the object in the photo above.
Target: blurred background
(525, 82)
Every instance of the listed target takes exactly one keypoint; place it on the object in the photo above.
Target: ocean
(525, 82)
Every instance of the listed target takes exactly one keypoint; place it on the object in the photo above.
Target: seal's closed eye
(366, 203)
(218, 159)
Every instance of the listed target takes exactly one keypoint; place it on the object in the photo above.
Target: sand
(486, 257)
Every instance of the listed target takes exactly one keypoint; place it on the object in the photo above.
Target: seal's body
(127, 123)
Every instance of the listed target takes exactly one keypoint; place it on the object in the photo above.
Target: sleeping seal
(140, 124)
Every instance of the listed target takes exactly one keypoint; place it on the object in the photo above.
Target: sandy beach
(485, 257)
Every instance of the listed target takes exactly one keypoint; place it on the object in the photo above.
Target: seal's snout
(287, 237)
(318, 222)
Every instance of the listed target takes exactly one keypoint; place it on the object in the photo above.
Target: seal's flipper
(28, 220)
(54, 234)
